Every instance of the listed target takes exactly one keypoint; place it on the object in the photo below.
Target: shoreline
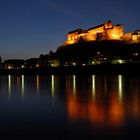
(131, 69)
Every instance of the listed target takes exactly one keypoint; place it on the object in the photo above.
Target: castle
(106, 31)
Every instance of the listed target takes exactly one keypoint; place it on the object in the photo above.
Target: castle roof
(77, 30)
(96, 26)
(138, 31)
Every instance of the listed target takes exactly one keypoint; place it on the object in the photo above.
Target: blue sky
(29, 28)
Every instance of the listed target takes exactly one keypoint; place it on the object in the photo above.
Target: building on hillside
(13, 64)
(132, 36)
(106, 31)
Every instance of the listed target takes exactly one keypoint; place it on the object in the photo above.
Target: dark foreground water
(70, 107)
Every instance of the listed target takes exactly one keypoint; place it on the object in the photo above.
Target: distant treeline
(82, 53)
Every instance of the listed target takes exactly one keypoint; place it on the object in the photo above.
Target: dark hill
(82, 52)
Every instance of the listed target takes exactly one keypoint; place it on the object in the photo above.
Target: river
(70, 107)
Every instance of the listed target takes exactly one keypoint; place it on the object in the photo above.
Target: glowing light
(134, 37)
(106, 31)
(120, 61)
(93, 86)
(74, 84)
(83, 64)
(115, 36)
(120, 86)
(70, 41)
(37, 84)
(52, 79)
(37, 65)
(22, 66)
(74, 64)
(9, 85)
(9, 67)
(22, 85)
(136, 54)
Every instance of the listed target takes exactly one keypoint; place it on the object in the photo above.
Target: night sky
(29, 28)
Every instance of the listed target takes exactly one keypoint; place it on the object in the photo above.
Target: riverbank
(131, 69)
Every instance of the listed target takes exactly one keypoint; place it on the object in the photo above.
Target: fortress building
(106, 31)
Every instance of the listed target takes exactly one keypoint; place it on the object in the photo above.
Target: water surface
(70, 107)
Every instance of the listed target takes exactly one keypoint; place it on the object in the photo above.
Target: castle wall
(72, 38)
(105, 31)
(115, 33)
(101, 36)
(90, 37)
(134, 37)
(127, 36)
(138, 36)
(96, 30)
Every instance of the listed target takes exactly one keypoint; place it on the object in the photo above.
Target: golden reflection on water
(52, 85)
(116, 98)
(93, 87)
(105, 109)
(120, 87)
(74, 85)
(37, 84)
(19, 82)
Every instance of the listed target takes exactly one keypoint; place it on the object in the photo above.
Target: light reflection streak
(52, 81)
(22, 85)
(120, 86)
(74, 84)
(93, 86)
(9, 85)
(18, 82)
(37, 84)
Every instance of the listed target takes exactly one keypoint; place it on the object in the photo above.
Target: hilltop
(97, 52)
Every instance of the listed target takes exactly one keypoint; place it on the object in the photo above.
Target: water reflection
(74, 85)
(37, 84)
(93, 86)
(15, 85)
(22, 85)
(101, 100)
(120, 86)
(9, 86)
(105, 109)
(52, 85)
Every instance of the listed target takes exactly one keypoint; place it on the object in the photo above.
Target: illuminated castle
(106, 31)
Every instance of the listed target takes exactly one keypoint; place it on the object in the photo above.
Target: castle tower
(108, 25)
